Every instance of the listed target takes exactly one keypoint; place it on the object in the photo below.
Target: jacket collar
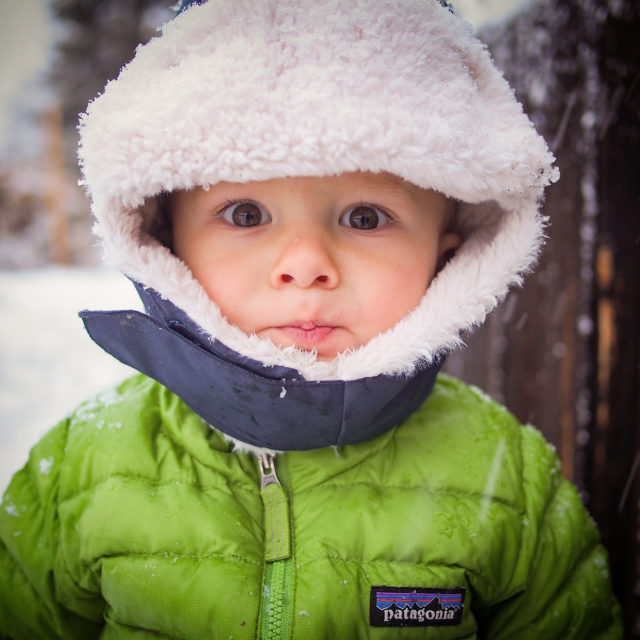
(264, 406)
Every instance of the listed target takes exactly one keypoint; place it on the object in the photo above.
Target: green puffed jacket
(133, 519)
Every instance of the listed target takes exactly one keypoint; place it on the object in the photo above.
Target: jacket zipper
(275, 613)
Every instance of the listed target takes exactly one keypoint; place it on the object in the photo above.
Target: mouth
(307, 334)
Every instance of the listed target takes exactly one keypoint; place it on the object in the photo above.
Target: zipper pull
(277, 535)
(267, 470)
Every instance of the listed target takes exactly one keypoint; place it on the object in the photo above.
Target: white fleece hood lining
(438, 114)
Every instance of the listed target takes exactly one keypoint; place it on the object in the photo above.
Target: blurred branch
(55, 200)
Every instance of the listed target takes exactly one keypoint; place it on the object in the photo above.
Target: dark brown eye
(245, 214)
(364, 218)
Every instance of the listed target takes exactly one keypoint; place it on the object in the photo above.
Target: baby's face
(320, 263)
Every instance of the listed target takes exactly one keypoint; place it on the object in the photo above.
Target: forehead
(351, 186)
(355, 179)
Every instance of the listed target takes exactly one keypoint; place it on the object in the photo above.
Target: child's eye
(245, 214)
(364, 217)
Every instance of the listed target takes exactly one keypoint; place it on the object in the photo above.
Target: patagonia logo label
(415, 606)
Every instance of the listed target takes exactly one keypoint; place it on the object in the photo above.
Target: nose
(305, 262)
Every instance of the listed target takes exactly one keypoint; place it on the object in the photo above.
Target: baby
(314, 199)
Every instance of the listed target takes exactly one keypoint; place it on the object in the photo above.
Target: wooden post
(615, 480)
(568, 344)
(55, 195)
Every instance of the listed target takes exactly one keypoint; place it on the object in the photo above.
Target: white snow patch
(45, 466)
(483, 12)
(48, 364)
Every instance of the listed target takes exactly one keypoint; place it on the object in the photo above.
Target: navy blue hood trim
(272, 407)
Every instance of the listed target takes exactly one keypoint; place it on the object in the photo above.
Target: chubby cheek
(394, 292)
(393, 303)
(231, 286)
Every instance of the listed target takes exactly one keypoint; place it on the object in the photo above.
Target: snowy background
(48, 364)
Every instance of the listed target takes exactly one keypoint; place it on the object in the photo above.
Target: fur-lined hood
(240, 90)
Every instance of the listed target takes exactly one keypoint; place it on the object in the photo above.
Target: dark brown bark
(563, 353)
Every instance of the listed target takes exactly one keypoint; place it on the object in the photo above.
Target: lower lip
(306, 337)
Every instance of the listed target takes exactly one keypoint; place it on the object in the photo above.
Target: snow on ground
(48, 363)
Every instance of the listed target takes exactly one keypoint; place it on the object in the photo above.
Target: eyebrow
(384, 181)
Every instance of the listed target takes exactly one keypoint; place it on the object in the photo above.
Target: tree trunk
(563, 353)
